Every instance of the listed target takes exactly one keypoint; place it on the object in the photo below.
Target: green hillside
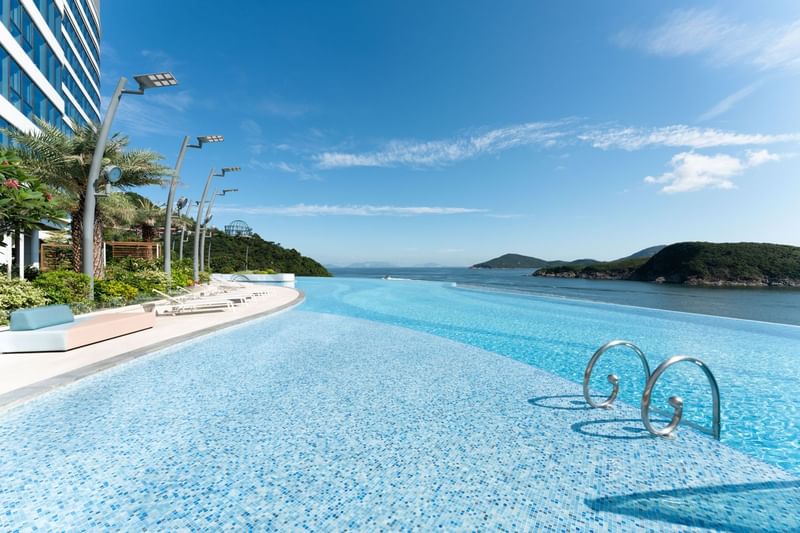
(619, 269)
(228, 255)
(745, 263)
(700, 263)
(524, 261)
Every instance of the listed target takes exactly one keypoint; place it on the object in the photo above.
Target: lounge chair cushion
(40, 317)
(83, 331)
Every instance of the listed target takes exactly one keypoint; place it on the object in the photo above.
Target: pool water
(411, 406)
(757, 365)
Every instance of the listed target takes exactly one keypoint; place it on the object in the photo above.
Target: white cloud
(783, 49)
(724, 105)
(297, 169)
(693, 172)
(348, 210)
(762, 44)
(678, 136)
(152, 116)
(446, 151)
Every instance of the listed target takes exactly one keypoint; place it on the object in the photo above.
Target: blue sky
(452, 132)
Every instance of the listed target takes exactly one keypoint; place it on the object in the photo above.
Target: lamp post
(205, 225)
(171, 195)
(198, 223)
(183, 228)
(145, 81)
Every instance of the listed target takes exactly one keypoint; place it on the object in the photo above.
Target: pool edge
(13, 398)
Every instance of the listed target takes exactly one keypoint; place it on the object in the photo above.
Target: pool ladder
(675, 401)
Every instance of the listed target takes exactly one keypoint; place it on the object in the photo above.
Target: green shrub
(63, 286)
(18, 294)
(182, 273)
(78, 308)
(140, 274)
(111, 291)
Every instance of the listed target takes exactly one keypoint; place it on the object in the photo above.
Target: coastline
(691, 282)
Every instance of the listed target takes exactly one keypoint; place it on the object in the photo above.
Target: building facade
(49, 63)
(49, 69)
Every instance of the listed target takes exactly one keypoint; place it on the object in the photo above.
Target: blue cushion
(40, 317)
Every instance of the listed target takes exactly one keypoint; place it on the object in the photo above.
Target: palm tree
(62, 161)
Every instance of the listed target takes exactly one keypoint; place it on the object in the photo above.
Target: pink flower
(48, 197)
(11, 183)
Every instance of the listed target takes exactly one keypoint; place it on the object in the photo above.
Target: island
(743, 264)
(524, 261)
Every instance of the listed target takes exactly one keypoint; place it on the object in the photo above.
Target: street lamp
(171, 195)
(183, 228)
(145, 81)
(209, 216)
(198, 223)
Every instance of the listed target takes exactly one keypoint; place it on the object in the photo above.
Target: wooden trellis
(55, 256)
(141, 250)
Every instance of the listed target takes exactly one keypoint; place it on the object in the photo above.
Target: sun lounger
(236, 297)
(53, 328)
(181, 306)
(234, 287)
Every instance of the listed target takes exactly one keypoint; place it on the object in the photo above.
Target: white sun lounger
(236, 297)
(181, 306)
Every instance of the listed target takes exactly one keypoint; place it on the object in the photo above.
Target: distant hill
(232, 254)
(700, 263)
(524, 261)
(647, 252)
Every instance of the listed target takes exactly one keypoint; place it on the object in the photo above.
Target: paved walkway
(23, 376)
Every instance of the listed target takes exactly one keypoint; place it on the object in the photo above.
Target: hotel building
(50, 56)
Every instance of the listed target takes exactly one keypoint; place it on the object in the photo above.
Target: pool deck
(26, 375)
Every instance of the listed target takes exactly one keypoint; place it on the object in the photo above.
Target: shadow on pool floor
(770, 506)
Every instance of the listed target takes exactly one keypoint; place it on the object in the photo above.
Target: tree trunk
(99, 247)
(76, 230)
(77, 241)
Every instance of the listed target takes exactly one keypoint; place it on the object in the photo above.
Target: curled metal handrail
(676, 402)
(612, 378)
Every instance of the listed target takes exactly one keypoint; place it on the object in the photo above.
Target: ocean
(763, 304)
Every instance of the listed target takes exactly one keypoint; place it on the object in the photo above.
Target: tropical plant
(18, 294)
(113, 291)
(62, 161)
(24, 201)
(142, 274)
(63, 286)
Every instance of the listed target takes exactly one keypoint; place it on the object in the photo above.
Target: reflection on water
(764, 304)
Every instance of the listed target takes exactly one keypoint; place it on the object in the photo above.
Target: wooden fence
(54, 256)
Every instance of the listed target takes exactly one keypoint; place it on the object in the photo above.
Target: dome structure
(238, 228)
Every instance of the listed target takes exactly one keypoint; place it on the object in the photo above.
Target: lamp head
(150, 81)
(112, 173)
(225, 191)
(210, 139)
(225, 170)
(182, 201)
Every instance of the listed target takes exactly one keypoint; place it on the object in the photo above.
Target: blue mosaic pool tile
(316, 422)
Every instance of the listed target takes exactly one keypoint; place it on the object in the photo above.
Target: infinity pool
(383, 405)
(757, 365)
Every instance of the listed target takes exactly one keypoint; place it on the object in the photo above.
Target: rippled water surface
(756, 364)
(764, 304)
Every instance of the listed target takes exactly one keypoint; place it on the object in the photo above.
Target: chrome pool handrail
(677, 403)
(612, 378)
